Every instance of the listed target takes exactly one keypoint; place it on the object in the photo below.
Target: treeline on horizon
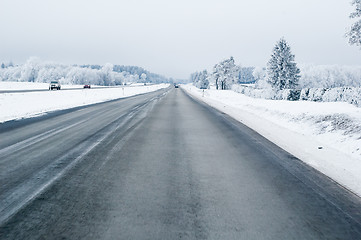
(108, 74)
(134, 70)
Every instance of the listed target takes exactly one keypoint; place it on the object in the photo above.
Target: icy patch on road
(325, 135)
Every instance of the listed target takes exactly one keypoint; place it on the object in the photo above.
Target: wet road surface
(161, 166)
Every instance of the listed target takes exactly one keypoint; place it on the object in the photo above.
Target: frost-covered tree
(216, 75)
(194, 77)
(203, 80)
(132, 70)
(354, 34)
(135, 78)
(107, 75)
(30, 70)
(35, 70)
(282, 69)
(329, 76)
(200, 79)
(260, 77)
(245, 75)
(143, 77)
(258, 73)
(226, 74)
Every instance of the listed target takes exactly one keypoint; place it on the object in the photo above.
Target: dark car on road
(86, 86)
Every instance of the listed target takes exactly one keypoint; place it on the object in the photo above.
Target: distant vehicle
(86, 86)
(54, 85)
(176, 85)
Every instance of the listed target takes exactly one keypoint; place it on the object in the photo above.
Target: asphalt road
(161, 166)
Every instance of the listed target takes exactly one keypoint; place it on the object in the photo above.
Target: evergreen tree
(282, 70)
(354, 35)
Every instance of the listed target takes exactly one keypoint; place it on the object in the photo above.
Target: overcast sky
(174, 37)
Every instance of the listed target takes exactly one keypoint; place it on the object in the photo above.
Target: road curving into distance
(161, 165)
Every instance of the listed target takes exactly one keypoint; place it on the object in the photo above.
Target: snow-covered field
(13, 86)
(325, 135)
(10, 86)
(24, 105)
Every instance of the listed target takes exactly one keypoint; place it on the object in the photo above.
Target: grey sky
(174, 38)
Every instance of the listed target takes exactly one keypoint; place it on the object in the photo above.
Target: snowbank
(24, 105)
(325, 135)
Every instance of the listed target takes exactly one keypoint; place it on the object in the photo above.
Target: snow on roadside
(24, 105)
(11, 86)
(325, 135)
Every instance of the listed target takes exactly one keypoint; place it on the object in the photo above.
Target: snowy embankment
(24, 105)
(325, 135)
